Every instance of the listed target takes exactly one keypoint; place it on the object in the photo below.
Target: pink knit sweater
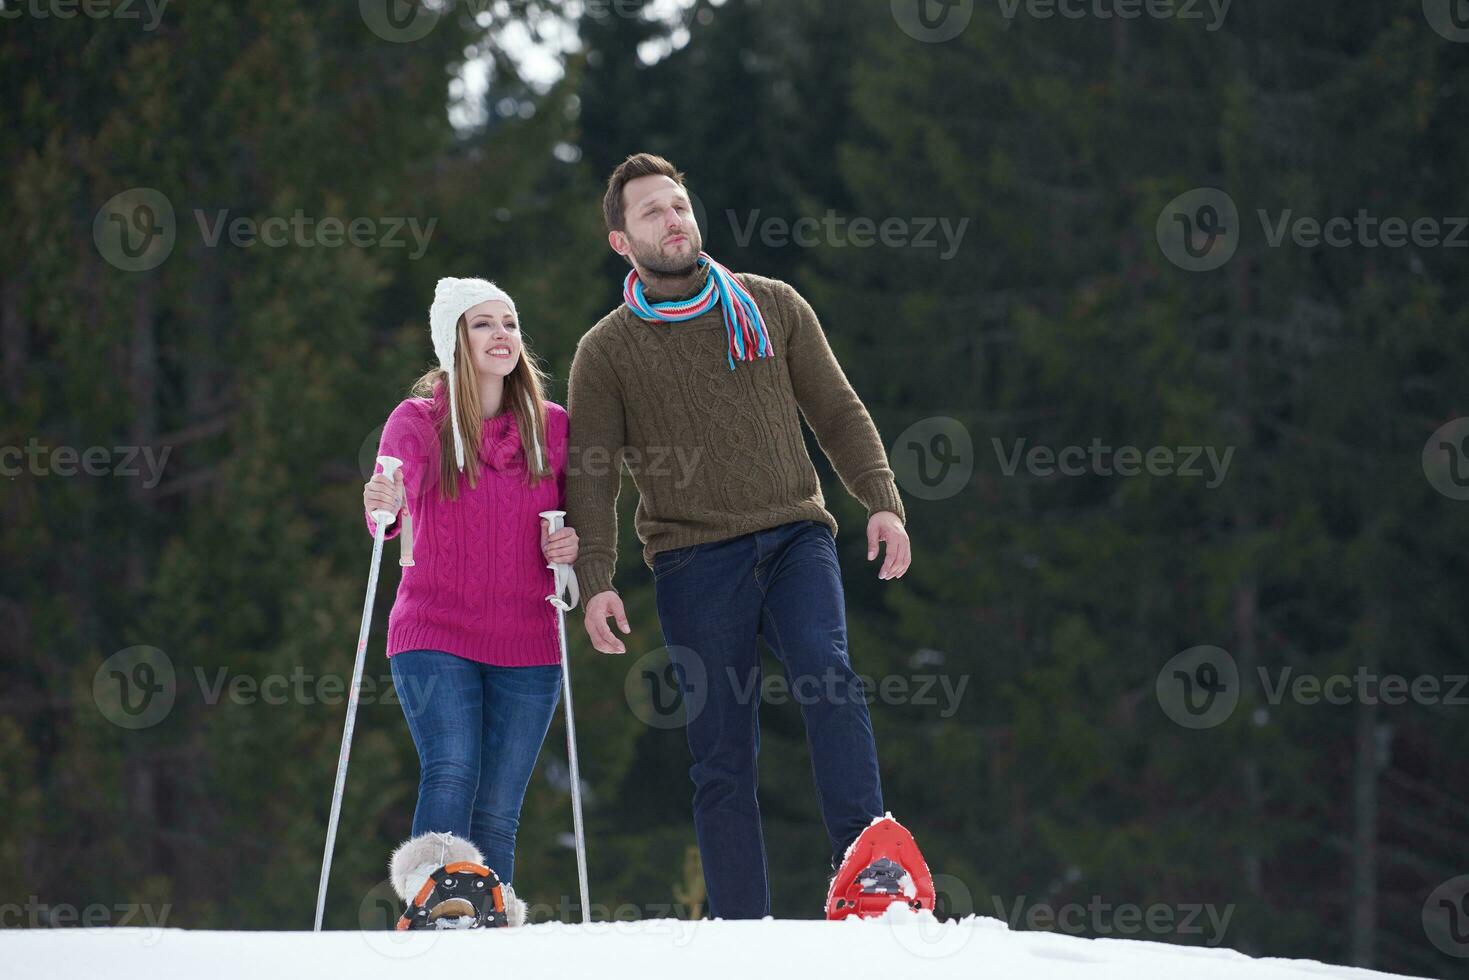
(479, 583)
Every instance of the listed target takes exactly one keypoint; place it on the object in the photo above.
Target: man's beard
(652, 258)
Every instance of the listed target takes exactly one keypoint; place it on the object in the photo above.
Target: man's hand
(598, 608)
(884, 525)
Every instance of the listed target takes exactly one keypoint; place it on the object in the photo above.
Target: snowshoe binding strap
(461, 895)
(882, 877)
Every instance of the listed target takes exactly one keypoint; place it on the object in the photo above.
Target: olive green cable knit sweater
(714, 453)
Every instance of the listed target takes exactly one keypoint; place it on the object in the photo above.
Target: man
(699, 376)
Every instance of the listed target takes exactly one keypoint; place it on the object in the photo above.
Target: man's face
(662, 234)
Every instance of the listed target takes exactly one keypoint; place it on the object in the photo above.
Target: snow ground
(909, 946)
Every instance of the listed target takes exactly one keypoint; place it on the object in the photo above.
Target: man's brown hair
(635, 166)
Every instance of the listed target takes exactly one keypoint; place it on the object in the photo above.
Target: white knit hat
(451, 298)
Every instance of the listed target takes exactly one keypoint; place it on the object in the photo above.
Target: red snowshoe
(883, 866)
(468, 893)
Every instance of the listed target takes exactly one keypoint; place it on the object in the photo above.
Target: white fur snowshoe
(445, 884)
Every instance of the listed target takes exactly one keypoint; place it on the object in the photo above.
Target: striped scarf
(742, 320)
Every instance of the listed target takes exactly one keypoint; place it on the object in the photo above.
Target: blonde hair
(525, 396)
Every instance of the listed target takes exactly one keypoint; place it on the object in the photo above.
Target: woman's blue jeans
(714, 601)
(478, 730)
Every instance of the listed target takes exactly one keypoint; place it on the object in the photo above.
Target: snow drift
(900, 946)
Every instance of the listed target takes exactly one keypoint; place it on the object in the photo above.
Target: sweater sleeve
(843, 428)
(594, 453)
(408, 435)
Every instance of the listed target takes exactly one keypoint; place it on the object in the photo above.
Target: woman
(472, 641)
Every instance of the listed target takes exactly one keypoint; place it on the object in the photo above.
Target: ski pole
(383, 518)
(566, 582)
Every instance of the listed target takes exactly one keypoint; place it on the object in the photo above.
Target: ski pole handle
(565, 577)
(390, 466)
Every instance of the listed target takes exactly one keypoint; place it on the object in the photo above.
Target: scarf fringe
(743, 324)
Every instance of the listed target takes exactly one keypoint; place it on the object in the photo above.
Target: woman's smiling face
(494, 337)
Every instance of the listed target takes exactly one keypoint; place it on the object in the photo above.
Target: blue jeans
(714, 600)
(478, 730)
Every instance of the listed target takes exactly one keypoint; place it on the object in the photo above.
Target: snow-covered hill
(977, 948)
